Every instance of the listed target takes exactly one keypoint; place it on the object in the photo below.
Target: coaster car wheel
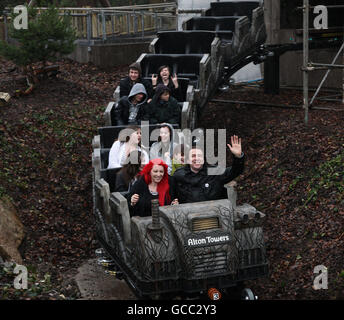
(247, 294)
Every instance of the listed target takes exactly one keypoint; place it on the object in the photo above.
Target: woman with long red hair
(153, 180)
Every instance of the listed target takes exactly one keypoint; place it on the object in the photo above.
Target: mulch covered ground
(294, 174)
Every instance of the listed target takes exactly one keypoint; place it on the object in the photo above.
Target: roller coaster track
(228, 34)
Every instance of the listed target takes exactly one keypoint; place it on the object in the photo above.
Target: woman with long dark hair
(153, 180)
(128, 174)
(165, 77)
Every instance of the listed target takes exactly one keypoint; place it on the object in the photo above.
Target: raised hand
(166, 155)
(175, 202)
(175, 80)
(235, 148)
(154, 79)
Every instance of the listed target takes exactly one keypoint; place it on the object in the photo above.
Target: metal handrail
(101, 23)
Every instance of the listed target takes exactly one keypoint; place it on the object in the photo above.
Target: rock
(12, 232)
(4, 98)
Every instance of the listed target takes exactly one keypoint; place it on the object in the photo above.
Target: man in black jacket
(193, 182)
(131, 109)
(134, 76)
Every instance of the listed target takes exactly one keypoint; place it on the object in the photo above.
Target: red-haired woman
(154, 180)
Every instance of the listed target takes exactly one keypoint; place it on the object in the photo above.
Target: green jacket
(175, 166)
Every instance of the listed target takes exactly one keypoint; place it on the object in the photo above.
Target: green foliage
(47, 36)
(8, 3)
(329, 175)
(118, 3)
(37, 284)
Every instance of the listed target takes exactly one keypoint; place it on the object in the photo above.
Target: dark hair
(130, 170)
(163, 67)
(135, 66)
(124, 133)
(179, 149)
(165, 125)
(160, 89)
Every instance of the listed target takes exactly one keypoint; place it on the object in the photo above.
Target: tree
(8, 3)
(48, 35)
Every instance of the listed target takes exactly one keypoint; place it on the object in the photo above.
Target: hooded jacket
(159, 111)
(128, 113)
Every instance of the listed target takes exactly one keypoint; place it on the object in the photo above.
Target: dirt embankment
(293, 174)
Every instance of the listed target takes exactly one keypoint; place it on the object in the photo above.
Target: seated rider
(193, 182)
(164, 77)
(178, 157)
(163, 148)
(131, 109)
(154, 180)
(134, 76)
(163, 108)
(125, 144)
(128, 174)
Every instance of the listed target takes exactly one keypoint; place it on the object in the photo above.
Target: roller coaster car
(184, 249)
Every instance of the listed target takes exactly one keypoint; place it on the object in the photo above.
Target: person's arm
(175, 81)
(177, 183)
(120, 185)
(154, 150)
(238, 160)
(149, 88)
(119, 112)
(176, 90)
(124, 87)
(133, 198)
(145, 154)
(175, 111)
(151, 112)
(113, 155)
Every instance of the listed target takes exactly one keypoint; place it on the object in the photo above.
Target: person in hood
(134, 76)
(163, 108)
(130, 110)
(163, 148)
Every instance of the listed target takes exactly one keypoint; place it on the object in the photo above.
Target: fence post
(89, 26)
(143, 24)
(103, 26)
(135, 23)
(128, 23)
(113, 24)
(305, 57)
(156, 22)
(5, 27)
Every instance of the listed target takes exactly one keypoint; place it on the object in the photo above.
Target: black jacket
(175, 93)
(195, 187)
(159, 111)
(143, 207)
(121, 184)
(126, 85)
(122, 109)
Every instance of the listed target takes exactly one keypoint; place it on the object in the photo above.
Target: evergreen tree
(8, 3)
(47, 36)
